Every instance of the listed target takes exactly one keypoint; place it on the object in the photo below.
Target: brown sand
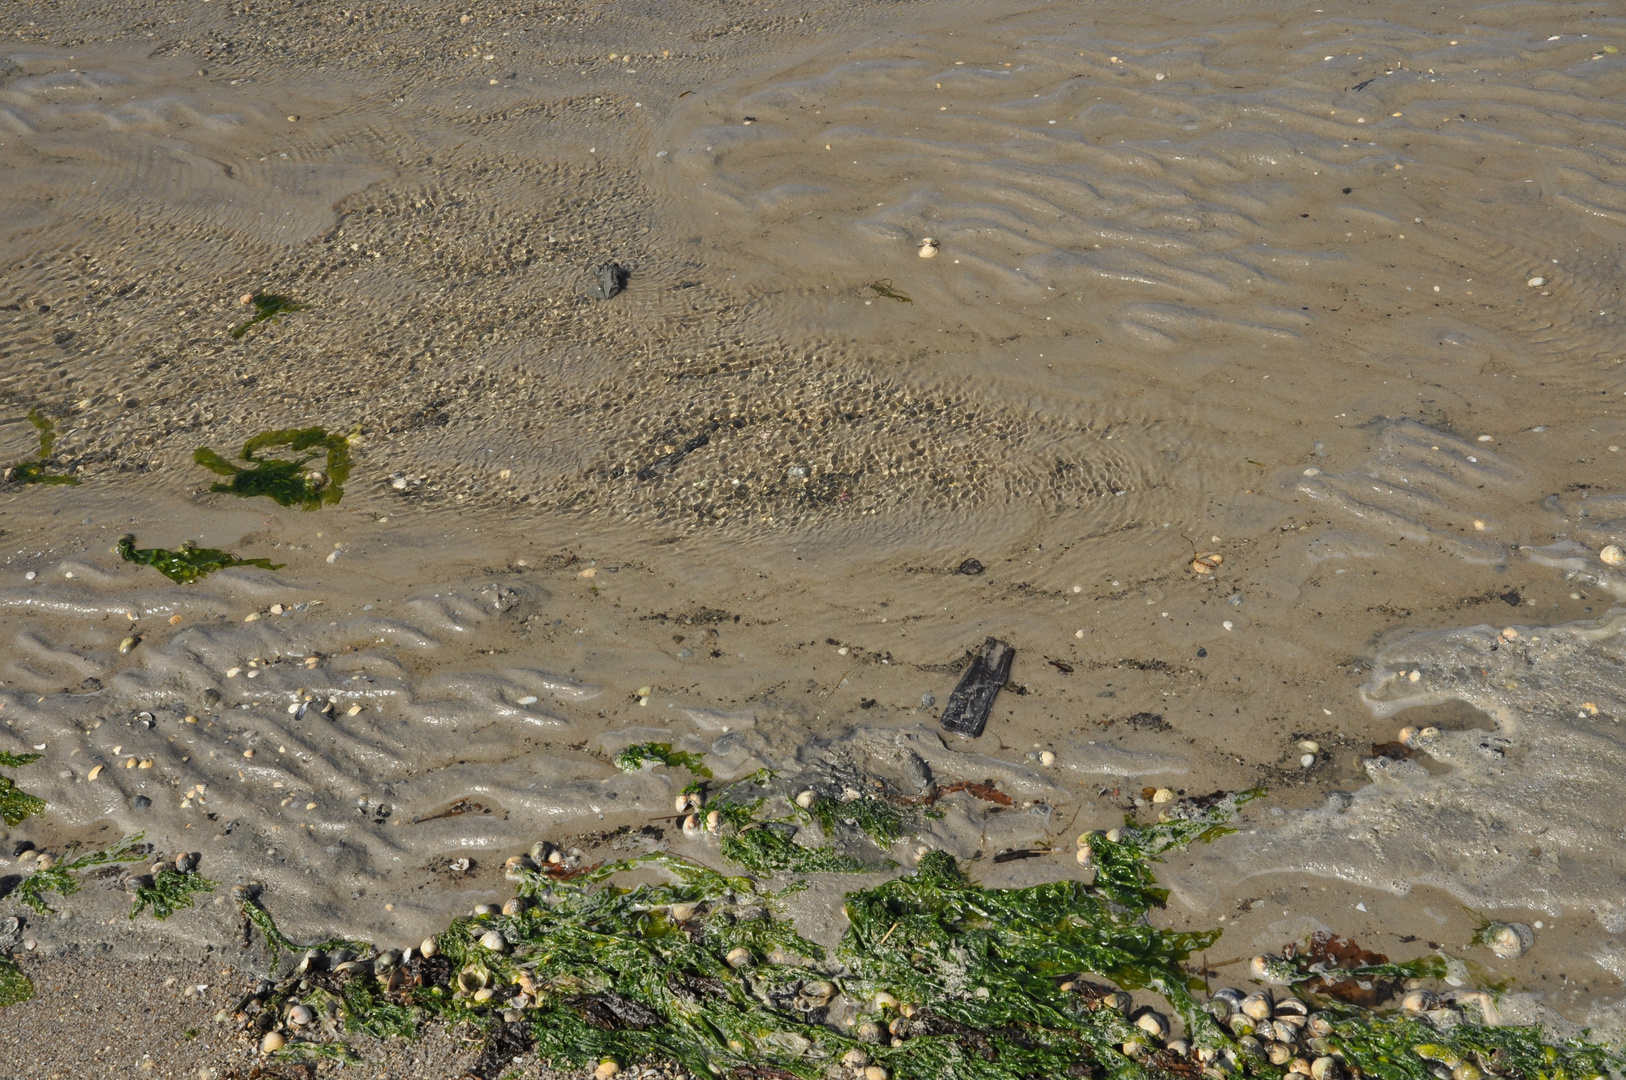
(1238, 298)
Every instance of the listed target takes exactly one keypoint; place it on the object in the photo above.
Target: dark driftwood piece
(969, 705)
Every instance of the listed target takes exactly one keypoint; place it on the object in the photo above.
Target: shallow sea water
(1250, 279)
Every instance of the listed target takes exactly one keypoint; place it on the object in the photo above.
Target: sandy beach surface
(1254, 370)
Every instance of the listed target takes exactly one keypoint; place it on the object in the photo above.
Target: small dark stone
(1201, 653)
(141, 802)
(970, 568)
(611, 278)
(22, 846)
(211, 696)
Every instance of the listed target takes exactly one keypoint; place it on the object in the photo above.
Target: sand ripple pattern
(1515, 821)
(1186, 186)
(317, 733)
(1425, 486)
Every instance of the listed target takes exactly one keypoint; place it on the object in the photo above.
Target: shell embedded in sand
(1272, 970)
(1508, 940)
(1612, 555)
(928, 248)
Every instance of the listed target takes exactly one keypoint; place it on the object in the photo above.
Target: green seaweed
(16, 805)
(301, 1051)
(637, 755)
(276, 942)
(171, 890)
(15, 985)
(876, 818)
(32, 470)
(884, 288)
(190, 563)
(60, 877)
(288, 483)
(702, 972)
(266, 306)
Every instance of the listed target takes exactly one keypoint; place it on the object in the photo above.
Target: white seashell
(1086, 856)
(1271, 970)
(714, 821)
(819, 991)
(485, 909)
(484, 994)
(1152, 1023)
(1230, 995)
(605, 1070)
(1163, 795)
(855, 1058)
(1279, 1053)
(493, 941)
(738, 957)
(691, 826)
(428, 947)
(1508, 940)
(515, 906)
(1047, 757)
(1290, 1008)
(1536, 282)
(683, 912)
(300, 1015)
(1482, 1001)
(1325, 1068)
(681, 803)
(806, 799)
(928, 248)
(1264, 1030)
(876, 1072)
(1178, 1047)
(1258, 1006)
(272, 1042)
(884, 1000)
(1612, 555)
(1419, 1001)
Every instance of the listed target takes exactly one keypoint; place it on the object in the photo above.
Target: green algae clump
(32, 471)
(190, 563)
(287, 482)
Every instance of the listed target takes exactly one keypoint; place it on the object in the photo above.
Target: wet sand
(1244, 279)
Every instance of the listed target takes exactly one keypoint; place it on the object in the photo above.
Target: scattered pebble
(1415, 675)
(1307, 760)
(30, 576)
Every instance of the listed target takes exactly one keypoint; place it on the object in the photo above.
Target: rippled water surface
(1330, 294)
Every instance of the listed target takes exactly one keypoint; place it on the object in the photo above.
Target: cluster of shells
(184, 863)
(274, 1013)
